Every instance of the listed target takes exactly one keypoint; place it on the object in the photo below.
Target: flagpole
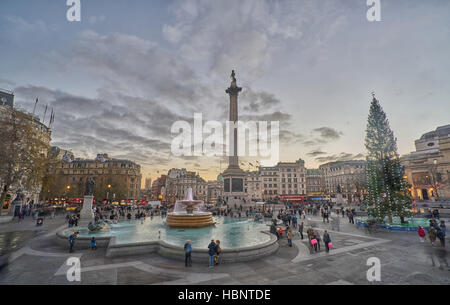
(45, 113)
(34, 109)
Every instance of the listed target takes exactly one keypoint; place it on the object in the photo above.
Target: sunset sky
(122, 76)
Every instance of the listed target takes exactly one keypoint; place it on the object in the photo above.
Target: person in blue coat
(211, 252)
(187, 252)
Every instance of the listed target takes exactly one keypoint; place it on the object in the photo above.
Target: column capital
(233, 91)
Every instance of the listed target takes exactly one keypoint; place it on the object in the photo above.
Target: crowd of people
(435, 231)
(288, 221)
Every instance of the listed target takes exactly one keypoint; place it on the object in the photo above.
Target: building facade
(179, 180)
(252, 186)
(427, 169)
(115, 179)
(215, 191)
(284, 179)
(159, 188)
(345, 177)
(315, 184)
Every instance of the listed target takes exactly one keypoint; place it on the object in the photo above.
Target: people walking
(211, 252)
(187, 254)
(312, 240)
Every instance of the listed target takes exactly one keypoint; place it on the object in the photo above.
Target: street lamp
(107, 193)
(434, 174)
(67, 192)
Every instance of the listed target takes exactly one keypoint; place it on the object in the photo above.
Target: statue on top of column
(233, 76)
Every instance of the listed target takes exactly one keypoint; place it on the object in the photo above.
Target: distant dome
(220, 177)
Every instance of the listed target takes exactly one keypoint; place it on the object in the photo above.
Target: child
(93, 244)
(421, 233)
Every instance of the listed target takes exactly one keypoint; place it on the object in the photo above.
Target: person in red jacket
(421, 233)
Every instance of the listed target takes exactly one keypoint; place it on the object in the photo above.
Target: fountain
(189, 213)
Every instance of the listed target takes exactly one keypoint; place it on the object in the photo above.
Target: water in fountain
(189, 213)
(181, 205)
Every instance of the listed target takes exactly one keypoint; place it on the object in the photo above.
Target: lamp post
(67, 192)
(434, 174)
(107, 193)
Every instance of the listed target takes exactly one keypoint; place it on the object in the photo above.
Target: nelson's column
(233, 176)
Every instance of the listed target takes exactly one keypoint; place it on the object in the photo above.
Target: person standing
(432, 234)
(317, 236)
(350, 217)
(218, 251)
(289, 237)
(325, 216)
(327, 241)
(93, 244)
(421, 233)
(187, 254)
(72, 238)
(300, 230)
(211, 252)
(443, 227)
(441, 235)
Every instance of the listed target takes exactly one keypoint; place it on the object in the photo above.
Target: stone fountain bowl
(191, 203)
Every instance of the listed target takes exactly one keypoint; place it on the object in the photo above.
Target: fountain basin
(411, 224)
(241, 239)
(186, 220)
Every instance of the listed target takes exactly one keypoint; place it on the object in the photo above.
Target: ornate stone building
(348, 177)
(427, 169)
(159, 188)
(315, 184)
(253, 186)
(215, 191)
(285, 179)
(115, 179)
(179, 180)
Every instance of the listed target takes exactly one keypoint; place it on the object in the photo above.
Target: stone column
(233, 92)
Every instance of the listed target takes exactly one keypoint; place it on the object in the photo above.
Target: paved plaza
(30, 256)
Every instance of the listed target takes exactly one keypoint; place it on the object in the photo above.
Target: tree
(387, 189)
(23, 153)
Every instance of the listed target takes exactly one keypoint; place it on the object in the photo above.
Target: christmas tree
(387, 189)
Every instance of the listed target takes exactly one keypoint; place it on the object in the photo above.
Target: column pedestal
(86, 214)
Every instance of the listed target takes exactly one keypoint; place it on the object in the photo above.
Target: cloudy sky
(122, 76)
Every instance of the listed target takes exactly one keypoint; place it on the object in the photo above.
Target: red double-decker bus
(293, 199)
